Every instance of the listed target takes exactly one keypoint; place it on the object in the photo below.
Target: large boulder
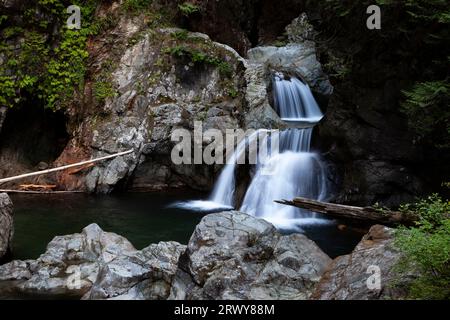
(73, 264)
(6, 224)
(232, 255)
(355, 276)
(145, 275)
(157, 90)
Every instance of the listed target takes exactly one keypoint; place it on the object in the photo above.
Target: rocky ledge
(230, 255)
(6, 224)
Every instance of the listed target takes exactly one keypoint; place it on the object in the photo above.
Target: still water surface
(140, 217)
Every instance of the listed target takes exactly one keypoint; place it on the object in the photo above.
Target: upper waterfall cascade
(294, 100)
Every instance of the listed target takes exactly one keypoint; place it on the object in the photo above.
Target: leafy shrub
(180, 34)
(428, 112)
(197, 56)
(136, 5)
(103, 90)
(187, 8)
(427, 246)
(44, 70)
(177, 51)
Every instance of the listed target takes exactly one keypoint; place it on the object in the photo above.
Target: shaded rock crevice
(6, 226)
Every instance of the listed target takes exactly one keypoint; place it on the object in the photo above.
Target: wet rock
(157, 93)
(260, 113)
(70, 264)
(376, 158)
(297, 58)
(6, 224)
(3, 111)
(95, 265)
(232, 255)
(145, 275)
(11, 4)
(347, 277)
(300, 29)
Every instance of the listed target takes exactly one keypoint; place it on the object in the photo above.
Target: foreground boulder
(6, 224)
(93, 259)
(232, 255)
(354, 276)
(144, 275)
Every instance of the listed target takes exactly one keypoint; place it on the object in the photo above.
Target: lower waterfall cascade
(291, 170)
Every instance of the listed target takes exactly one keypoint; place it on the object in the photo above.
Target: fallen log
(37, 192)
(38, 173)
(339, 211)
(37, 187)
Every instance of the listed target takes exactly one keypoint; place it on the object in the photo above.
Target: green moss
(135, 38)
(45, 68)
(136, 5)
(103, 90)
(180, 34)
(188, 8)
(232, 92)
(198, 56)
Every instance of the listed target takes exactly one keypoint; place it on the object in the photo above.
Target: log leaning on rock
(339, 211)
(83, 163)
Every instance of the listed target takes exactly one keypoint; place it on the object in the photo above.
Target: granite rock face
(157, 91)
(6, 224)
(145, 275)
(94, 264)
(232, 255)
(354, 276)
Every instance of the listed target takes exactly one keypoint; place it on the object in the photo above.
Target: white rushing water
(291, 171)
(294, 100)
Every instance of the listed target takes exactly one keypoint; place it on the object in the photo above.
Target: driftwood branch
(339, 211)
(38, 173)
(38, 192)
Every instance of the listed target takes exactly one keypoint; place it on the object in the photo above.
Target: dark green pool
(140, 217)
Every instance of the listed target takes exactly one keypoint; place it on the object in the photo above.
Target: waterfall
(285, 172)
(224, 188)
(294, 100)
(290, 172)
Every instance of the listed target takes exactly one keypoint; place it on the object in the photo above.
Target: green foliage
(187, 8)
(233, 92)
(225, 68)
(280, 43)
(103, 90)
(180, 34)
(7, 91)
(421, 10)
(137, 5)
(49, 67)
(197, 56)
(427, 247)
(177, 51)
(428, 112)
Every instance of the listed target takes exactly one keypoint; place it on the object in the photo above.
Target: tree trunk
(339, 211)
